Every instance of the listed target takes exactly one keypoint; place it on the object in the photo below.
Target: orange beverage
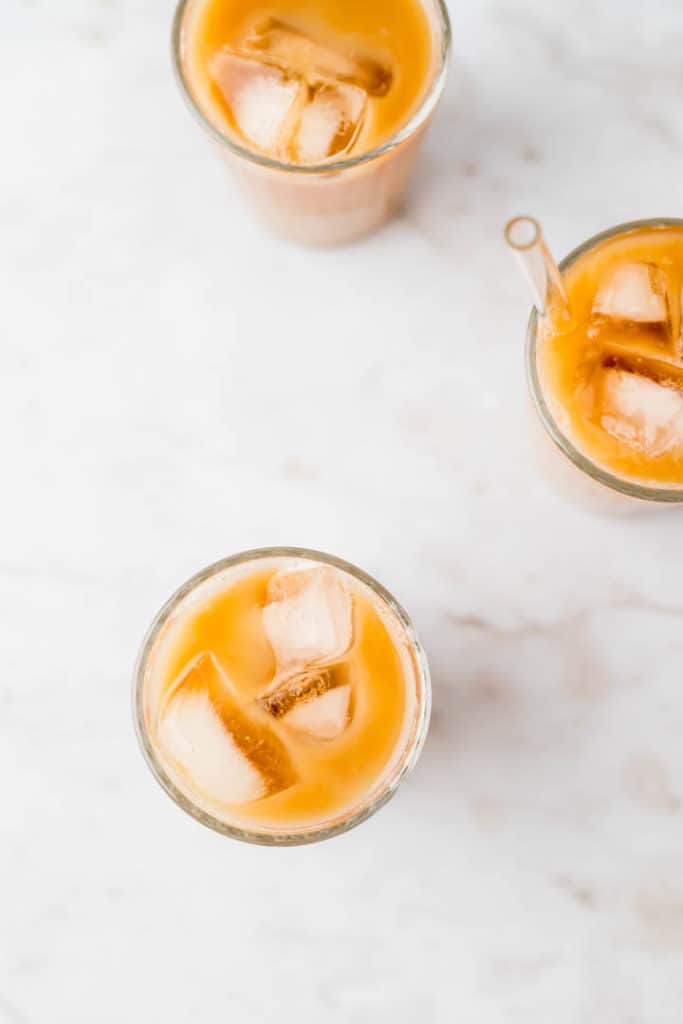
(323, 101)
(281, 696)
(608, 380)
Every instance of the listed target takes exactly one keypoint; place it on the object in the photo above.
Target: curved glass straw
(525, 238)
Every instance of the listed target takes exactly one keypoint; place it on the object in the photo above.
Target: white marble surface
(177, 386)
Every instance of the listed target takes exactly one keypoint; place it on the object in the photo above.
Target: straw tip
(522, 233)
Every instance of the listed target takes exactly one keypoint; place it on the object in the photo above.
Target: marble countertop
(177, 385)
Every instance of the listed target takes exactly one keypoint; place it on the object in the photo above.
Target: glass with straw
(605, 356)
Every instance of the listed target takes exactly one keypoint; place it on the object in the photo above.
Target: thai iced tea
(312, 84)
(612, 374)
(281, 696)
(306, 80)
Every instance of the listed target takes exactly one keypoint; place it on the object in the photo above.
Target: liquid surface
(305, 81)
(258, 730)
(613, 378)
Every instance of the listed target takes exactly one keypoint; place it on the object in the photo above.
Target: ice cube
(261, 98)
(224, 752)
(293, 96)
(308, 617)
(641, 411)
(316, 702)
(298, 50)
(326, 717)
(330, 121)
(635, 292)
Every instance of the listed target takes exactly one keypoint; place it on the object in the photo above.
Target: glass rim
(407, 757)
(630, 488)
(409, 129)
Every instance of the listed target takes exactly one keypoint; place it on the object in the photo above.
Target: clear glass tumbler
(339, 200)
(213, 579)
(602, 490)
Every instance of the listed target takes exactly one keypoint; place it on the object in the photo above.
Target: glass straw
(525, 238)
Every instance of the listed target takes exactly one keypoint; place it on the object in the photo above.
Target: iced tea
(283, 695)
(610, 377)
(324, 100)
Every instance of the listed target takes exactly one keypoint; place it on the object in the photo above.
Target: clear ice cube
(261, 98)
(640, 411)
(228, 755)
(330, 121)
(316, 702)
(308, 617)
(325, 718)
(294, 97)
(635, 292)
(297, 50)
